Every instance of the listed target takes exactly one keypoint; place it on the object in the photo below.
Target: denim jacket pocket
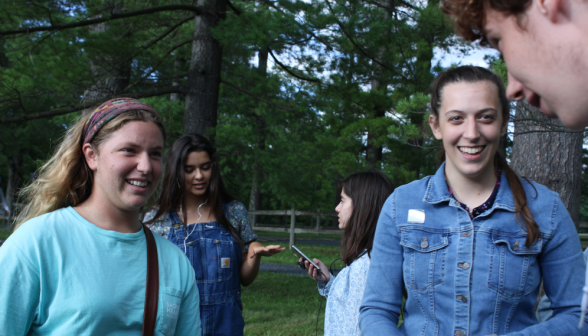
(424, 257)
(513, 267)
(170, 300)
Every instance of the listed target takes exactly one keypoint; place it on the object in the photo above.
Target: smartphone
(302, 255)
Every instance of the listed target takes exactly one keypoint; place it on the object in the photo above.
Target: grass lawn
(326, 254)
(299, 235)
(277, 304)
(4, 234)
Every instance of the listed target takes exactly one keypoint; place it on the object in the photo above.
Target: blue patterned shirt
(236, 214)
(344, 293)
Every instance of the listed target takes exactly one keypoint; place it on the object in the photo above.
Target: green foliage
(353, 78)
(499, 68)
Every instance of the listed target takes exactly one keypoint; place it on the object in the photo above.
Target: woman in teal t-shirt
(76, 263)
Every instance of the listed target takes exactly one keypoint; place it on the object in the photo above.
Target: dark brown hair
(368, 192)
(470, 15)
(173, 189)
(472, 74)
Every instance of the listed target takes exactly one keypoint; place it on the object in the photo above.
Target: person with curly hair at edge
(544, 44)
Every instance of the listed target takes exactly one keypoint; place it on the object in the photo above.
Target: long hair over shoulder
(65, 179)
(368, 191)
(174, 181)
(473, 74)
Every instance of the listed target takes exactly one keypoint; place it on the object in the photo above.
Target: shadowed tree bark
(260, 125)
(204, 76)
(548, 153)
(14, 181)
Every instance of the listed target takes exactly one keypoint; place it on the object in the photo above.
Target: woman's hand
(312, 271)
(264, 251)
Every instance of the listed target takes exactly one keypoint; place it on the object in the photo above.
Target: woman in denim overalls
(472, 243)
(218, 240)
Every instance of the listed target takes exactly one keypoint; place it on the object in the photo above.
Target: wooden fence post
(252, 220)
(318, 221)
(292, 226)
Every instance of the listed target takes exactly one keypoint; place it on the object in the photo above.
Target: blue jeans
(216, 258)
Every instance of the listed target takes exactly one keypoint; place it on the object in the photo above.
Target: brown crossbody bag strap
(152, 291)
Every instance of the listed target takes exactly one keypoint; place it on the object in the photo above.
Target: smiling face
(345, 209)
(127, 166)
(197, 174)
(545, 58)
(470, 124)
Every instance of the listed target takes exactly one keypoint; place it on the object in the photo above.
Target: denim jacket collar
(438, 192)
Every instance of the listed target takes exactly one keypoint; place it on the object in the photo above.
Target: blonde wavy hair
(65, 179)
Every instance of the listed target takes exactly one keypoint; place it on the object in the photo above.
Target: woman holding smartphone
(362, 198)
(471, 243)
(196, 212)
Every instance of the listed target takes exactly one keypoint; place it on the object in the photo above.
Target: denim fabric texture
(544, 311)
(471, 277)
(216, 258)
(344, 293)
(236, 214)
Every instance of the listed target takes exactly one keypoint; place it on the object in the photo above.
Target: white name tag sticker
(225, 262)
(416, 216)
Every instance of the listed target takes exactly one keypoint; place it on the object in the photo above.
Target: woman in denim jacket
(217, 239)
(471, 243)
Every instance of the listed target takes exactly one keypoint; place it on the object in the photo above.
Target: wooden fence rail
(293, 213)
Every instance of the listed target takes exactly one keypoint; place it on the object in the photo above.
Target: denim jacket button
(218, 241)
(460, 332)
(515, 246)
(467, 233)
(464, 266)
(190, 243)
(424, 243)
(462, 298)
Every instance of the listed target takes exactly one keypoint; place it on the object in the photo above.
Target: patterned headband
(108, 111)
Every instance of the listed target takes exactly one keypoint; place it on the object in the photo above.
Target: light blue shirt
(344, 293)
(62, 275)
(470, 277)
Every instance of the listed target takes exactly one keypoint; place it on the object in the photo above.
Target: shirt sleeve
(562, 264)
(241, 223)
(382, 300)
(19, 291)
(324, 288)
(544, 311)
(160, 226)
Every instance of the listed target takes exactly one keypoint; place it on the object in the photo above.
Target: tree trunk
(373, 152)
(548, 153)
(116, 75)
(204, 75)
(14, 182)
(338, 189)
(176, 80)
(255, 196)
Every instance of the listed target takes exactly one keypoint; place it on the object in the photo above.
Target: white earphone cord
(194, 227)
